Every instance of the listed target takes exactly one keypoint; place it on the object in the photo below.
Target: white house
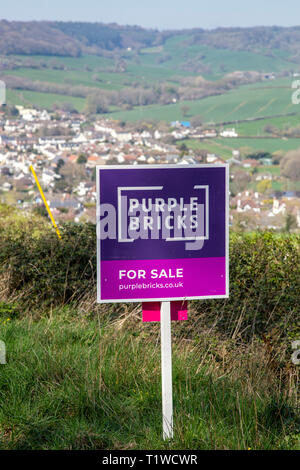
(48, 177)
(122, 136)
(278, 208)
(247, 205)
(211, 158)
(229, 133)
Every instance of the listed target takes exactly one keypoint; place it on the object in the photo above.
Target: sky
(160, 14)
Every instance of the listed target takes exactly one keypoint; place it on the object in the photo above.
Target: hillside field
(225, 146)
(248, 108)
(29, 98)
(86, 376)
(247, 102)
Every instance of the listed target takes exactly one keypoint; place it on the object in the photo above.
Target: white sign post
(166, 370)
(162, 237)
(2, 353)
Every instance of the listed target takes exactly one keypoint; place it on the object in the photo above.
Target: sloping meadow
(94, 370)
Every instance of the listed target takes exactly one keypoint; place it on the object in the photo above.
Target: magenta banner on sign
(151, 311)
(162, 232)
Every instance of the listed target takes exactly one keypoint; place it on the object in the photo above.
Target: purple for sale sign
(162, 232)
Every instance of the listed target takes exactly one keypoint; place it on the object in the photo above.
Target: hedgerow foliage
(264, 285)
(38, 268)
(42, 267)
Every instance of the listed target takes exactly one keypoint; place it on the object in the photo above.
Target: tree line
(72, 38)
(99, 100)
(75, 38)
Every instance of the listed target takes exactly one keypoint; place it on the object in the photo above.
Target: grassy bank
(76, 382)
(86, 376)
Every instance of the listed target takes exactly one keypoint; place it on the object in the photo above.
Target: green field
(177, 51)
(167, 63)
(256, 128)
(268, 145)
(72, 63)
(225, 146)
(220, 61)
(270, 100)
(246, 102)
(109, 81)
(43, 100)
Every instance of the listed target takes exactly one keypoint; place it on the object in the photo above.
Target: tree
(81, 159)
(62, 186)
(260, 154)
(240, 181)
(11, 110)
(60, 163)
(64, 106)
(290, 165)
(197, 120)
(269, 129)
(264, 186)
(243, 222)
(41, 210)
(95, 104)
(183, 147)
(185, 110)
(290, 222)
(277, 157)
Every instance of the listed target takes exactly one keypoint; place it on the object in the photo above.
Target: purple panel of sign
(162, 232)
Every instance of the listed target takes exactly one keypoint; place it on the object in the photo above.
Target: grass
(73, 381)
(225, 146)
(86, 376)
(209, 145)
(263, 100)
(245, 102)
(109, 81)
(76, 63)
(256, 128)
(44, 100)
(272, 169)
(258, 100)
(221, 61)
(264, 144)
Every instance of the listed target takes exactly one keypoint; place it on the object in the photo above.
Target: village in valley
(65, 148)
(149, 229)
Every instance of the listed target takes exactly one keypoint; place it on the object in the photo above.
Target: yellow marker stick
(45, 202)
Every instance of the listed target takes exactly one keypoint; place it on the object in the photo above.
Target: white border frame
(162, 167)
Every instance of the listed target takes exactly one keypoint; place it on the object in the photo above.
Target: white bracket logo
(195, 228)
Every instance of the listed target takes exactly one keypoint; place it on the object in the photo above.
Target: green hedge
(48, 270)
(264, 286)
(264, 273)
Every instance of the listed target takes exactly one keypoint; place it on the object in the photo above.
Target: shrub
(49, 270)
(8, 310)
(264, 274)
(264, 285)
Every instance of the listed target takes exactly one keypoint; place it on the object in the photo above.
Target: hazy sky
(162, 14)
